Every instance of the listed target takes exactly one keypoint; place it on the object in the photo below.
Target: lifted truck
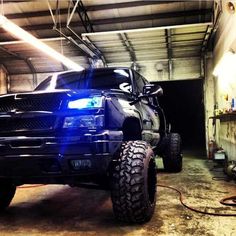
(97, 128)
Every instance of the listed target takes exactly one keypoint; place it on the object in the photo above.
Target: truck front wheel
(7, 192)
(133, 183)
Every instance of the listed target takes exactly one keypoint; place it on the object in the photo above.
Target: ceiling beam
(127, 5)
(125, 19)
(152, 16)
(15, 1)
(128, 45)
(82, 12)
(200, 12)
(206, 38)
(169, 52)
(64, 11)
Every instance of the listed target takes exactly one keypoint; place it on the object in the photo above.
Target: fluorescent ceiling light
(18, 32)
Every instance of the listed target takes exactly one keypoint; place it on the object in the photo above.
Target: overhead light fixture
(18, 32)
(226, 65)
(226, 72)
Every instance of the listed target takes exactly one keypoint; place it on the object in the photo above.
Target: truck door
(150, 117)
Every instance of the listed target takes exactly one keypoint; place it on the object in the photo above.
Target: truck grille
(20, 124)
(30, 104)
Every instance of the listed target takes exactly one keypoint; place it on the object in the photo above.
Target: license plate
(81, 164)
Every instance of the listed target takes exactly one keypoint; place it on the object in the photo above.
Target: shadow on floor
(66, 209)
(196, 152)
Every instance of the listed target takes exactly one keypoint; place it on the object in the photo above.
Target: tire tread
(129, 203)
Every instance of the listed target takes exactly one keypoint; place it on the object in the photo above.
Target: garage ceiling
(162, 43)
(152, 43)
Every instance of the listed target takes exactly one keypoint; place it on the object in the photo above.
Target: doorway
(183, 105)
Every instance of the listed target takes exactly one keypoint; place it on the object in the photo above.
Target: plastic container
(233, 104)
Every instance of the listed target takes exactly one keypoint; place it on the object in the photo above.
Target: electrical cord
(223, 201)
(218, 178)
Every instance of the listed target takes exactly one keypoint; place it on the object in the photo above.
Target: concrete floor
(61, 210)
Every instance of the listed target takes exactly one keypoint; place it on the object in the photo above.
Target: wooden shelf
(231, 116)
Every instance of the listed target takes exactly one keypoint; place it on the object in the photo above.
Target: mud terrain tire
(172, 156)
(133, 183)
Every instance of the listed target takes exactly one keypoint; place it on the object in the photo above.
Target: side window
(154, 101)
(139, 82)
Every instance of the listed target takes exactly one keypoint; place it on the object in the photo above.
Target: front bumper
(85, 154)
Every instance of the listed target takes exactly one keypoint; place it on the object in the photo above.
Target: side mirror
(149, 90)
(152, 90)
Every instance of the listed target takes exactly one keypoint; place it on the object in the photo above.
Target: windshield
(89, 79)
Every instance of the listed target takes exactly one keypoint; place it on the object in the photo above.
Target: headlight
(91, 102)
(84, 121)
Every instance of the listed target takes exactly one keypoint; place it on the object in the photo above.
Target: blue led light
(91, 102)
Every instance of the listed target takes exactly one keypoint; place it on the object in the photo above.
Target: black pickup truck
(97, 128)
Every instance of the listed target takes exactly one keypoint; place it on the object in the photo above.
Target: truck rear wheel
(133, 183)
(172, 156)
(7, 192)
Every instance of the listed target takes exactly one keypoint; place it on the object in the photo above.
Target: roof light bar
(18, 32)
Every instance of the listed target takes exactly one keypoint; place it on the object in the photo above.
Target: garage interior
(187, 47)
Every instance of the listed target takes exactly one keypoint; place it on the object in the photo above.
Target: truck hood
(57, 93)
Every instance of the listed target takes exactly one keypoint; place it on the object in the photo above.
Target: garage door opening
(183, 105)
